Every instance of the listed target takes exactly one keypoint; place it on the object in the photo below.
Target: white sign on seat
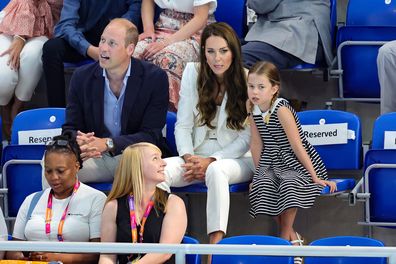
(37, 137)
(327, 134)
(390, 140)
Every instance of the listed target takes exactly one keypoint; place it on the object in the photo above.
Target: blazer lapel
(222, 115)
(133, 87)
(98, 99)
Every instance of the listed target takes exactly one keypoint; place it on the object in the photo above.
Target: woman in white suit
(211, 138)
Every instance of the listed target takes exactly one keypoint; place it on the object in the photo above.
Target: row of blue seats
(21, 163)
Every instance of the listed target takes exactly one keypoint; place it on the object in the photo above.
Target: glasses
(61, 143)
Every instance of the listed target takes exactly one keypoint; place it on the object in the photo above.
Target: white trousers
(23, 81)
(219, 175)
(386, 62)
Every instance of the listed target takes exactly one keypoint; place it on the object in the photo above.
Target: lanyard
(48, 213)
(133, 218)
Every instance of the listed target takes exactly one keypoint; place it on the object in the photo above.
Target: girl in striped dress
(289, 172)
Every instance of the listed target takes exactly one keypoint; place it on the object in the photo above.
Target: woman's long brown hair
(234, 80)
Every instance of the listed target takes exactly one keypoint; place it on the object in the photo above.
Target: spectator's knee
(214, 172)
(51, 49)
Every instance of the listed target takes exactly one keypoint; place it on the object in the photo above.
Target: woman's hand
(155, 47)
(332, 185)
(196, 167)
(14, 52)
(147, 35)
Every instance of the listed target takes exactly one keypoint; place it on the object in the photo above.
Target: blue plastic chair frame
(252, 240)
(3, 4)
(233, 13)
(369, 24)
(338, 156)
(345, 241)
(40, 118)
(191, 258)
(380, 183)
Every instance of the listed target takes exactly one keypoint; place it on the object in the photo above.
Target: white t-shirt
(82, 221)
(186, 6)
(3, 231)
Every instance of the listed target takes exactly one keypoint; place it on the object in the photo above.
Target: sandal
(299, 241)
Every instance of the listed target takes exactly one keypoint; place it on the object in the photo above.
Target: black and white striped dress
(280, 181)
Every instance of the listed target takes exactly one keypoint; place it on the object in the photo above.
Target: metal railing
(180, 250)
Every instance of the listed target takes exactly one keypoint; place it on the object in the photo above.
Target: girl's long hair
(129, 179)
(234, 80)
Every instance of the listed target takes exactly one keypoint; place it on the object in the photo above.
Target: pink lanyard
(133, 218)
(48, 213)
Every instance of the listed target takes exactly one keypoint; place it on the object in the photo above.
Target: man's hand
(91, 146)
(93, 52)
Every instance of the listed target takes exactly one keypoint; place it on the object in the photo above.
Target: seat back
(233, 12)
(336, 136)
(384, 132)
(371, 13)
(170, 132)
(346, 241)
(252, 240)
(21, 174)
(3, 4)
(191, 258)
(366, 20)
(37, 126)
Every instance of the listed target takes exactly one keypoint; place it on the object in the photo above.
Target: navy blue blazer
(143, 113)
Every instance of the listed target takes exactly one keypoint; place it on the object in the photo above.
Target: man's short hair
(131, 31)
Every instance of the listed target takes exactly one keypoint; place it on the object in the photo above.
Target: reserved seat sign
(326, 134)
(37, 137)
(390, 140)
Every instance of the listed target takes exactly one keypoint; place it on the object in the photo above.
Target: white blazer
(190, 134)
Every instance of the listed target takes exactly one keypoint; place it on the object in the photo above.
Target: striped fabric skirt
(273, 193)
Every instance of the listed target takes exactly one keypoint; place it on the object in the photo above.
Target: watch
(110, 145)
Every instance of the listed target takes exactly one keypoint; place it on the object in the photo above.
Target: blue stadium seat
(47, 122)
(337, 156)
(21, 174)
(3, 4)
(252, 240)
(384, 124)
(379, 181)
(345, 241)
(69, 67)
(191, 258)
(233, 12)
(369, 24)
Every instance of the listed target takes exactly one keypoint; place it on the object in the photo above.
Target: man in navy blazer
(77, 37)
(115, 103)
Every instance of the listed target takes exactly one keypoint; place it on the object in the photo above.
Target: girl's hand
(332, 185)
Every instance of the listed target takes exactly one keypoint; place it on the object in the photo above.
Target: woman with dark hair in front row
(67, 211)
(137, 211)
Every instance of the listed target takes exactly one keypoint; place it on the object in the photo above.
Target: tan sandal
(299, 241)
